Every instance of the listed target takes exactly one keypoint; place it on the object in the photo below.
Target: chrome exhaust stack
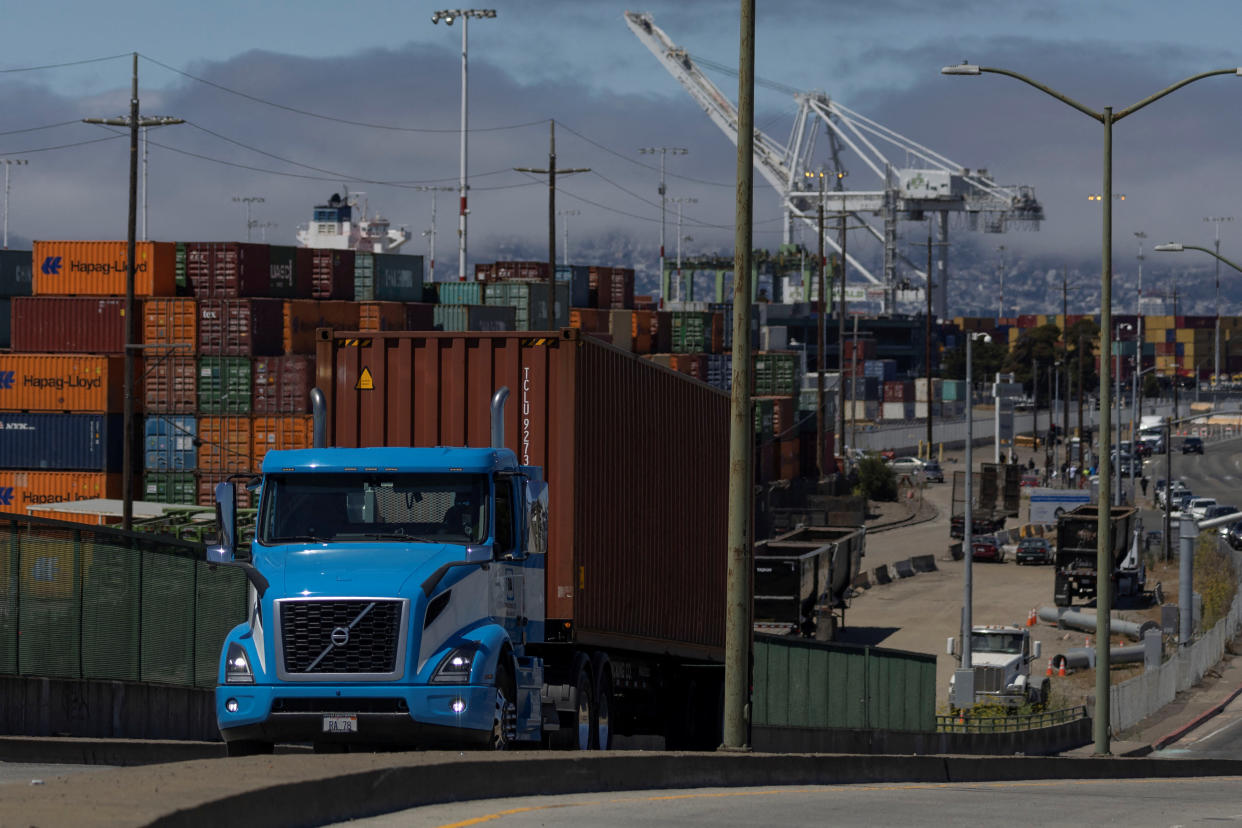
(498, 416)
(319, 414)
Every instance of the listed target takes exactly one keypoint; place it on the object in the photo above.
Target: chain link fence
(88, 602)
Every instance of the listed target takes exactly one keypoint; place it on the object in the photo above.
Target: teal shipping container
(388, 277)
(474, 318)
(460, 293)
(530, 300)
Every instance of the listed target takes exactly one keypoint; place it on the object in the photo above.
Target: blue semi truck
(399, 596)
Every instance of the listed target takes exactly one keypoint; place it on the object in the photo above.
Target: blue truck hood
(363, 569)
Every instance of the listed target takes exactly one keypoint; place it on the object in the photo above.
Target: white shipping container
(920, 410)
(897, 411)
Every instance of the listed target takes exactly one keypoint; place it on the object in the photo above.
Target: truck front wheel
(504, 718)
(603, 712)
(248, 747)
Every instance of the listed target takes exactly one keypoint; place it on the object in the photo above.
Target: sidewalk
(1185, 714)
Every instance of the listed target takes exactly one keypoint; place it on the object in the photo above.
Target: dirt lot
(920, 613)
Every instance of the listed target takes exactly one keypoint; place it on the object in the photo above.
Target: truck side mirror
(536, 517)
(950, 647)
(1036, 649)
(225, 550)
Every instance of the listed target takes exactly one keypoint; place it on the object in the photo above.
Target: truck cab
(1000, 657)
(394, 592)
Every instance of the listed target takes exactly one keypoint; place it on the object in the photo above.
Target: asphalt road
(1135, 802)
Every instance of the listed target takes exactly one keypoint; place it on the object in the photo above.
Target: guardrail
(964, 723)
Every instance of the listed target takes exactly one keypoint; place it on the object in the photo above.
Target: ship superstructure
(333, 225)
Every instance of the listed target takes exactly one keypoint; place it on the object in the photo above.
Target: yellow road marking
(1044, 783)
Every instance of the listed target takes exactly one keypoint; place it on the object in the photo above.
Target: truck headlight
(455, 667)
(237, 666)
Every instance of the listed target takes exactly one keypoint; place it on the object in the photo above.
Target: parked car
(1233, 536)
(1174, 491)
(1181, 503)
(1034, 551)
(1192, 445)
(906, 465)
(988, 548)
(932, 472)
(1198, 506)
(1220, 510)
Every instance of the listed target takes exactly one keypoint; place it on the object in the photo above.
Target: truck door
(507, 587)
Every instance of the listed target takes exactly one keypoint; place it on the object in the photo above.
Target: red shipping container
(641, 331)
(282, 384)
(68, 324)
(419, 316)
(614, 287)
(332, 272)
(790, 458)
(630, 453)
(302, 316)
(767, 462)
(484, 272)
(240, 327)
(381, 316)
(170, 385)
(228, 270)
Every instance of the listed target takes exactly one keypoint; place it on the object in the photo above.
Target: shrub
(1215, 579)
(876, 479)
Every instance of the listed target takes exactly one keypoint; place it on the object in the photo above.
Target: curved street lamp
(1103, 600)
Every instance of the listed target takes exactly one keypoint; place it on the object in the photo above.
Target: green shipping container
(692, 332)
(180, 268)
(776, 375)
(170, 487)
(530, 300)
(460, 293)
(764, 414)
(224, 385)
(473, 318)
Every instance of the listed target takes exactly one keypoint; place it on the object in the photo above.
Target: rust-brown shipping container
(642, 331)
(636, 458)
(228, 270)
(282, 384)
(98, 268)
(23, 489)
(68, 324)
(54, 382)
(303, 316)
(240, 327)
(170, 322)
(332, 272)
(279, 432)
(207, 490)
(224, 444)
(381, 316)
(170, 385)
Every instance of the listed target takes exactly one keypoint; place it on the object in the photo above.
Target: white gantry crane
(923, 182)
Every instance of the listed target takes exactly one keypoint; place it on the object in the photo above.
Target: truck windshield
(437, 508)
(996, 643)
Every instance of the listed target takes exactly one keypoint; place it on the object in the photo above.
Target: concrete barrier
(861, 581)
(904, 569)
(882, 575)
(955, 551)
(317, 790)
(923, 563)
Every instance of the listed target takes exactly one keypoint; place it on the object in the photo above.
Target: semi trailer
(448, 569)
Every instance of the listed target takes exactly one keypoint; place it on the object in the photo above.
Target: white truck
(1000, 659)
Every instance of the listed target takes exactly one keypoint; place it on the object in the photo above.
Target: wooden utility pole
(738, 625)
(551, 172)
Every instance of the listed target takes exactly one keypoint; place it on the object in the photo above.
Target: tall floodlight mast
(915, 180)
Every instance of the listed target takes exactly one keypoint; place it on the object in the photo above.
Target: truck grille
(989, 679)
(357, 638)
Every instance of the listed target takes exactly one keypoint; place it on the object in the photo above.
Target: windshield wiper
(386, 536)
(305, 538)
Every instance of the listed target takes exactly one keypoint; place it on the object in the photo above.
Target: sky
(293, 102)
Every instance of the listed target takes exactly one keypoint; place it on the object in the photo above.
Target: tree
(989, 358)
(1088, 332)
(1034, 346)
(876, 479)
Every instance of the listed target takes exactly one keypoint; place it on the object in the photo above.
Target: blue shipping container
(578, 277)
(169, 443)
(61, 442)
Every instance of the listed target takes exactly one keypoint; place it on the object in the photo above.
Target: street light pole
(9, 163)
(448, 16)
(134, 123)
(565, 227)
(1217, 220)
(1107, 117)
(663, 151)
(249, 200)
(968, 516)
(679, 202)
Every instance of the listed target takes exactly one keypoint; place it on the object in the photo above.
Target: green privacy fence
(801, 683)
(89, 602)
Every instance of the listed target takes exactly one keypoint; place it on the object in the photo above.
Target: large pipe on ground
(1083, 658)
(1065, 617)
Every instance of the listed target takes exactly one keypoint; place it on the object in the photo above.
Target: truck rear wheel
(584, 708)
(602, 732)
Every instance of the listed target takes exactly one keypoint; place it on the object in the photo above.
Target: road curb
(1165, 741)
(317, 790)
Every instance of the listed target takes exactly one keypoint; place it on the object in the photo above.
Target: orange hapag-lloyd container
(635, 455)
(290, 431)
(170, 322)
(22, 489)
(61, 382)
(98, 268)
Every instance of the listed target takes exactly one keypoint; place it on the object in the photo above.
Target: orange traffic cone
(1030, 618)
(1049, 668)
(1061, 672)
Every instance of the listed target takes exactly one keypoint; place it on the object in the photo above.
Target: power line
(638, 163)
(333, 118)
(61, 65)
(38, 128)
(64, 146)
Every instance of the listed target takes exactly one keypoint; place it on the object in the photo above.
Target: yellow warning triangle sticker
(365, 382)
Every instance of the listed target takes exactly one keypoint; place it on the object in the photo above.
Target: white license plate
(340, 724)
